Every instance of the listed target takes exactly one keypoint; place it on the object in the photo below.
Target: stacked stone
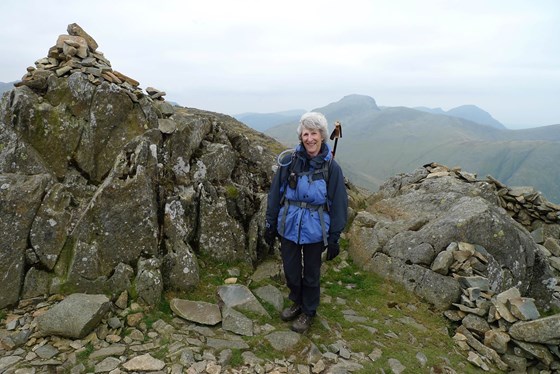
(503, 330)
(77, 53)
(524, 204)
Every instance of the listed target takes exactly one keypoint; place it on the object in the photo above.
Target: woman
(307, 209)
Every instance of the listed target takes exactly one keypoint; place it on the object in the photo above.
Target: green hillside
(380, 142)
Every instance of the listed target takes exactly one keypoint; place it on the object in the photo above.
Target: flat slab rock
(197, 311)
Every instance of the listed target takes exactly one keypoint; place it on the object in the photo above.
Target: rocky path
(130, 338)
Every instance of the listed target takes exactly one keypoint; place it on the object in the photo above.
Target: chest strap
(300, 204)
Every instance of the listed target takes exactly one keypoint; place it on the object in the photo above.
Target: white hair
(314, 121)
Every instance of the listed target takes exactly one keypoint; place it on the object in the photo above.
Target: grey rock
(544, 330)
(422, 359)
(267, 270)
(409, 321)
(7, 361)
(75, 316)
(46, 351)
(497, 340)
(107, 364)
(482, 349)
(476, 324)
(112, 350)
(345, 367)
(271, 295)
(523, 308)
(236, 322)
(220, 236)
(115, 229)
(283, 340)
(249, 358)
(537, 350)
(226, 343)
(422, 254)
(355, 318)
(197, 311)
(475, 282)
(501, 302)
(442, 262)
(239, 297)
(165, 108)
(439, 290)
(144, 362)
(476, 360)
(17, 215)
(167, 126)
(149, 282)
(538, 235)
(49, 229)
(516, 364)
(552, 245)
(36, 283)
(376, 354)
(396, 366)
(163, 328)
(114, 322)
(180, 267)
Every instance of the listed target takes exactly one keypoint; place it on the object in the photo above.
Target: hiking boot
(290, 313)
(302, 323)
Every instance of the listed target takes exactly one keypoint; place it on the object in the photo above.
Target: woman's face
(312, 140)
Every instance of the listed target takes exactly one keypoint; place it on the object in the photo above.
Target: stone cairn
(504, 330)
(523, 204)
(77, 53)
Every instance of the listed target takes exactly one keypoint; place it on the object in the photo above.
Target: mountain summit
(380, 142)
(468, 112)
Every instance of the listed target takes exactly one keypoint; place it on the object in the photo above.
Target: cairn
(504, 329)
(77, 53)
(523, 204)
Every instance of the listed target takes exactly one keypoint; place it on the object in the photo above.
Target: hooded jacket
(296, 212)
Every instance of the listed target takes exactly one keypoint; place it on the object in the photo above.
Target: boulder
(197, 311)
(17, 216)
(75, 316)
(544, 330)
(439, 290)
(414, 214)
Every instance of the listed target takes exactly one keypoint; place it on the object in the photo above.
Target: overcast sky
(260, 56)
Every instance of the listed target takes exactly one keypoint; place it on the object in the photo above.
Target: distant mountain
(468, 112)
(264, 121)
(6, 87)
(378, 143)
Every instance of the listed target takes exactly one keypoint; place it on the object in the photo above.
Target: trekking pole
(337, 133)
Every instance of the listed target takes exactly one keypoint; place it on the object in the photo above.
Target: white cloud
(259, 56)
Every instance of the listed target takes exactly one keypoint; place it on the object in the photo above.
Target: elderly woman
(307, 210)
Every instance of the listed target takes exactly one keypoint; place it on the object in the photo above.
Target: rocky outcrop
(413, 219)
(123, 191)
(479, 251)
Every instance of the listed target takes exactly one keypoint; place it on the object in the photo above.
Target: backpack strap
(319, 208)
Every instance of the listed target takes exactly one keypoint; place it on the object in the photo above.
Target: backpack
(291, 181)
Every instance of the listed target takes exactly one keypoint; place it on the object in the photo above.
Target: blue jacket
(312, 197)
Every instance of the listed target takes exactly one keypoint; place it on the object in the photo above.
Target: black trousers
(302, 268)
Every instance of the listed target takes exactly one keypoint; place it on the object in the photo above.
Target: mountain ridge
(381, 142)
(469, 112)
